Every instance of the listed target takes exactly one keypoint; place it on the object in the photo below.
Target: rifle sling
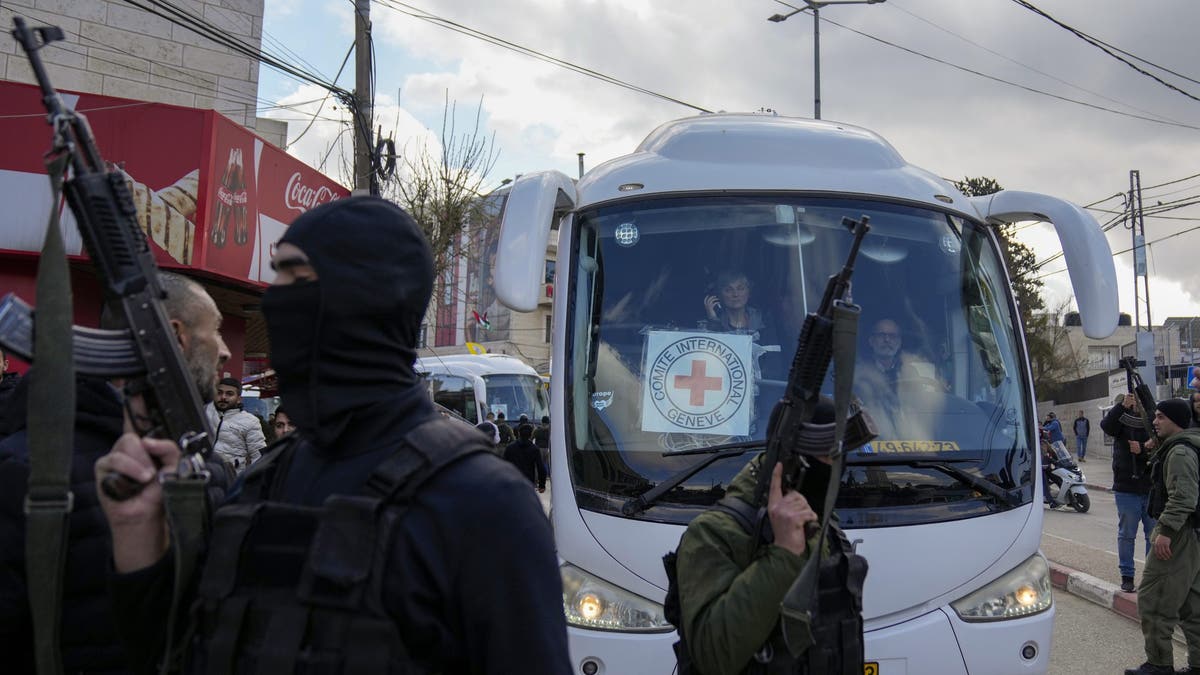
(51, 423)
(187, 516)
(800, 601)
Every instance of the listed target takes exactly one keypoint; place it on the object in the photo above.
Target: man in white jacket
(239, 433)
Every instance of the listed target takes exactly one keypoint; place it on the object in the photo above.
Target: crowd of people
(357, 528)
(381, 524)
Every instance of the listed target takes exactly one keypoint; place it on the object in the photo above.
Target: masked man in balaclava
(379, 537)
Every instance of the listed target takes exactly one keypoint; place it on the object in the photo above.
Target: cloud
(727, 56)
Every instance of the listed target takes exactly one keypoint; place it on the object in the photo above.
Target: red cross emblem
(697, 383)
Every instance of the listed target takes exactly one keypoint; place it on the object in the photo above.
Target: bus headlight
(591, 602)
(1023, 591)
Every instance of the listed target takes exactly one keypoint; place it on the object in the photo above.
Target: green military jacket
(730, 588)
(1181, 473)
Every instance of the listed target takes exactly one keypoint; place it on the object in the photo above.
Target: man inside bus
(353, 509)
(885, 370)
(1169, 592)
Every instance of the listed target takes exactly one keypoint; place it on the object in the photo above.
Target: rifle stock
(1136, 386)
(107, 219)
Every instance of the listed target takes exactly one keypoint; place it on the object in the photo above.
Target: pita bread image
(167, 215)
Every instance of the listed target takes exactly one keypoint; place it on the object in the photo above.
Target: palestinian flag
(481, 321)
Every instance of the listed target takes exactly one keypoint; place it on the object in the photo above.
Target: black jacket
(89, 641)
(1131, 472)
(528, 459)
(474, 531)
(8, 384)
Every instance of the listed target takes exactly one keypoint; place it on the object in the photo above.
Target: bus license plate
(871, 668)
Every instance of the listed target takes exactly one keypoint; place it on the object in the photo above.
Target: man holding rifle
(1131, 481)
(89, 633)
(378, 537)
(732, 581)
(765, 581)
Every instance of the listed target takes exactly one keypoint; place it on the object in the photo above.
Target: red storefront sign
(211, 195)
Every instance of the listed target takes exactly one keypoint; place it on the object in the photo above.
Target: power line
(1012, 84)
(1107, 49)
(189, 86)
(323, 100)
(1025, 65)
(421, 14)
(1127, 250)
(1189, 201)
(202, 27)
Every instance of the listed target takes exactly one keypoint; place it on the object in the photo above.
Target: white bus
(945, 505)
(471, 385)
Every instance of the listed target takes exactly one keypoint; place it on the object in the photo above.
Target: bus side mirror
(1089, 258)
(534, 200)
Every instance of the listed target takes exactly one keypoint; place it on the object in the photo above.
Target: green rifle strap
(51, 423)
(187, 516)
(799, 604)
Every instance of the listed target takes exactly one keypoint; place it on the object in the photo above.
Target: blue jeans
(1131, 510)
(1081, 446)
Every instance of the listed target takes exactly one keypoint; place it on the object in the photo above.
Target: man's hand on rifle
(790, 515)
(139, 524)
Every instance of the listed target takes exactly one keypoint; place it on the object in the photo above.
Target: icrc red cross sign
(697, 382)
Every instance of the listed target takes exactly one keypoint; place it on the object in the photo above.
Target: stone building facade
(115, 49)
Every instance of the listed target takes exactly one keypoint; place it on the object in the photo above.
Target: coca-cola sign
(300, 197)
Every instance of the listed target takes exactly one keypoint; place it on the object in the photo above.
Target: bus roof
(744, 151)
(474, 364)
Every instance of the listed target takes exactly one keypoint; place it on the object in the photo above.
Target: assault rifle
(791, 434)
(1134, 385)
(104, 210)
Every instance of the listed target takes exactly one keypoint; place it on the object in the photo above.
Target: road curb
(1103, 593)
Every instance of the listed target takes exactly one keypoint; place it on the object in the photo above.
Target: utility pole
(1144, 338)
(815, 6)
(1137, 226)
(364, 174)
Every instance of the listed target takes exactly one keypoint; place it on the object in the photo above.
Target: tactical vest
(1158, 480)
(299, 589)
(837, 628)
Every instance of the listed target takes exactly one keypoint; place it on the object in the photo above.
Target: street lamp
(815, 6)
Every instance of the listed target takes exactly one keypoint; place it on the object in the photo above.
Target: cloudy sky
(1007, 120)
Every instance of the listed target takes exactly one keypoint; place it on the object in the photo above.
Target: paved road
(1090, 640)
(1088, 541)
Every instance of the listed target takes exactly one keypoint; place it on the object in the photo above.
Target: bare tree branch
(441, 188)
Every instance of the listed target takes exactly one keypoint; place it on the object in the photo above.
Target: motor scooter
(1066, 482)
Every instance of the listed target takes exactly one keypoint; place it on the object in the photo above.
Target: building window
(1102, 358)
(549, 272)
(548, 334)
(423, 336)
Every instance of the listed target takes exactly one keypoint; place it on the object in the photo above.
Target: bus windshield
(516, 395)
(685, 316)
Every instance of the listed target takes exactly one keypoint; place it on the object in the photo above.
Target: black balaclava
(348, 339)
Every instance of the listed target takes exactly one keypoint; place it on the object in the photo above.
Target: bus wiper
(715, 453)
(1010, 498)
(710, 449)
